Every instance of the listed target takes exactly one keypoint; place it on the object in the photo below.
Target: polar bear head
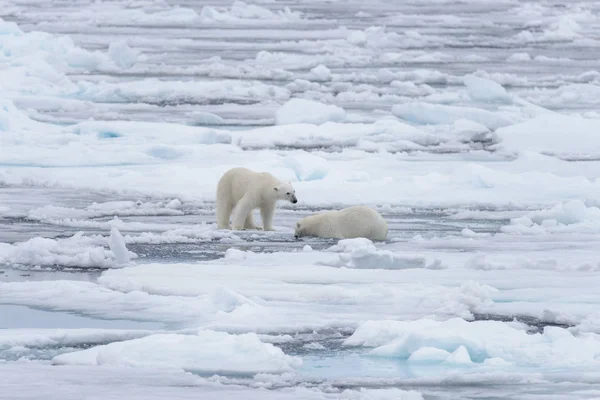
(304, 227)
(285, 191)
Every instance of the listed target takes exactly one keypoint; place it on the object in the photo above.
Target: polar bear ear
(297, 224)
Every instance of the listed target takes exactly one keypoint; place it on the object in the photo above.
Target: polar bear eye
(288, 193)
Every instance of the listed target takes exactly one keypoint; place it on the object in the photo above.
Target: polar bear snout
(294, 200)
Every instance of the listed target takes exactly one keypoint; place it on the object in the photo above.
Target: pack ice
(471, 127)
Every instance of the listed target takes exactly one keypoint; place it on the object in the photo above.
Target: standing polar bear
(352, 222)
(246, 190)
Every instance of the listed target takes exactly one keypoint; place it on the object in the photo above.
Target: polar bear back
(351, 222)
(238, 182)
(361, 221)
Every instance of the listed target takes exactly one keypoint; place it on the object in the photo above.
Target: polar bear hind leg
(223, 214)
(249, 223)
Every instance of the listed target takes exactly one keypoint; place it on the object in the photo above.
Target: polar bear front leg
(249, 224)
(242, 209)
(266, 215)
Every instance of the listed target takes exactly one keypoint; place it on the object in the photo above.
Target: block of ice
(562, 136)
(307, 166)
(321, 73)
(65, 337)
(571, 216)
(77, 251)
(476, 342)
(122, 55)
(459, 356)
(207, 352)
(361, 253)
(428, 355)
(298, 111)
(485, 90)
(203, 118)
(118, 247)
(243, 12)
(426, 113)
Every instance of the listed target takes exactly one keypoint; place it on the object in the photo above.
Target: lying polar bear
(246, 190)
(352, 222)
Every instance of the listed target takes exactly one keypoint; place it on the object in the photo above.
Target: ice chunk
(426, 113)
(459, 356)
(349, 245)
(571, 212)
(307, 166)
(496, 362)
(233, 254)
(205, 118)
(65, 337)
(485, 90)
(106, 209)
(428, 354)
(476, 342)
(159, 91)
(466, 232)
(357, 38)
(77, 251)
(321, 72)
(377, 37)
(13, 119)
(80, 58)
(9, 28)
(381, 259)
(298, 111)
(470, 131)
(208, 352)
(571, 216)
(383, 134)
(194, 234)
(361, 253)
(562, 136)
(563, 28)
(117, 245)
(267, 338)
(241, 11)
(122, 55)
(223, 299)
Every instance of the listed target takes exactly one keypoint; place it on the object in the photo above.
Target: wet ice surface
(470, 126)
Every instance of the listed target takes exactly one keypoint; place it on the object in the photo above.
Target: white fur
(352, 222)
(246, 190)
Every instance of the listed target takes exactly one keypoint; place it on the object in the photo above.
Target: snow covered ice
(471, 126)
